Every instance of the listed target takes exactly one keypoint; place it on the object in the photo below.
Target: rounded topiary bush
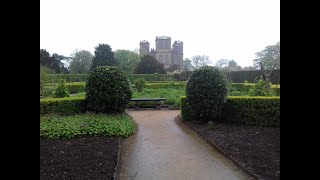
(107, 90)
(206, 91)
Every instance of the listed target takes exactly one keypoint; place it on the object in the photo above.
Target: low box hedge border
(261, 111)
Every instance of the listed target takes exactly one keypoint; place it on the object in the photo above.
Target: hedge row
(75, 87)
(261, 111)
(250, 76)
(165, 85)
(244, 87)
(63, 106)
(235, 76)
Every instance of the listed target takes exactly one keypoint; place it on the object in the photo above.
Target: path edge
(214, 145)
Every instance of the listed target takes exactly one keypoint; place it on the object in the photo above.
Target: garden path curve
(162, 149)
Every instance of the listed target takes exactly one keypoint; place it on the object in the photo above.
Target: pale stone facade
(163, 52)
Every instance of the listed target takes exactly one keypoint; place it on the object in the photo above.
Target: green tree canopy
(81, 62)
(53, 62)
(103, 56)
(128, 60)
(269, 57)
(149, 65)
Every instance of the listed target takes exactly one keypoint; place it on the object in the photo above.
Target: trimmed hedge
(261, 111)
(236, 76)
(165, 85)
(75, 87)
(63, 106)
(244, 87)
(250, 76)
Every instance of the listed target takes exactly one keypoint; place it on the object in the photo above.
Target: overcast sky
(230, 29)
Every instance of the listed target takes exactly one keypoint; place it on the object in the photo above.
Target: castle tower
(177, 53)
(163, 50)
(144, 48)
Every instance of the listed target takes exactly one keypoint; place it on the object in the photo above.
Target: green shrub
(206, 90)
(139, 84)
(75, 87)
(259, 89)
(261, 111)
(61, 91)
(149, 77)
(108, 90)
(44, 79)
(62, 106)
(86, 125)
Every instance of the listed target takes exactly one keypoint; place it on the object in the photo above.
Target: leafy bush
(62, 106)
(86, 125)
(206, 90)
(139, 84)
(108, 90)
(259, 89)
(61, 90)
(261, 111)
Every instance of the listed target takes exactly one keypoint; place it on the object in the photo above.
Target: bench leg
(136, 106)
(158, 105)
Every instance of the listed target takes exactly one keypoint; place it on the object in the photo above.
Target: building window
(166, 58)
(161, 58)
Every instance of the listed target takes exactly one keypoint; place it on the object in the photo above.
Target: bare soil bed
(255, 148)
(78, 158)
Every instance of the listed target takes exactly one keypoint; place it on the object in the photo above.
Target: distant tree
(200, 61)
(186, 65)
(81, 62)
(149, 65)
(103, 56)
(222, 63)
(173, 68)
(233, 66)
(53, 62)
(128, 60)
(269, 57)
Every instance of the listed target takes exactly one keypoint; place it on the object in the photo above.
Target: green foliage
(62, 106)
(86, 125)
(161, 85)
(259, 89)
(261, 111)
(149, 77)
(211, 125)
(61, 91)
(206, 90)
(128, 60)
(68, 77)
(149, 65)
(103, 56)
(75, 87)
(245, 81)
(172, 96)
(139, 84)
(269, 56)
(108, 90)
(53, 62)
(81, 62)
(250, 76)
(44, 79)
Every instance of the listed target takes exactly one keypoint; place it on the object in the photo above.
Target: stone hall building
(163, 52)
